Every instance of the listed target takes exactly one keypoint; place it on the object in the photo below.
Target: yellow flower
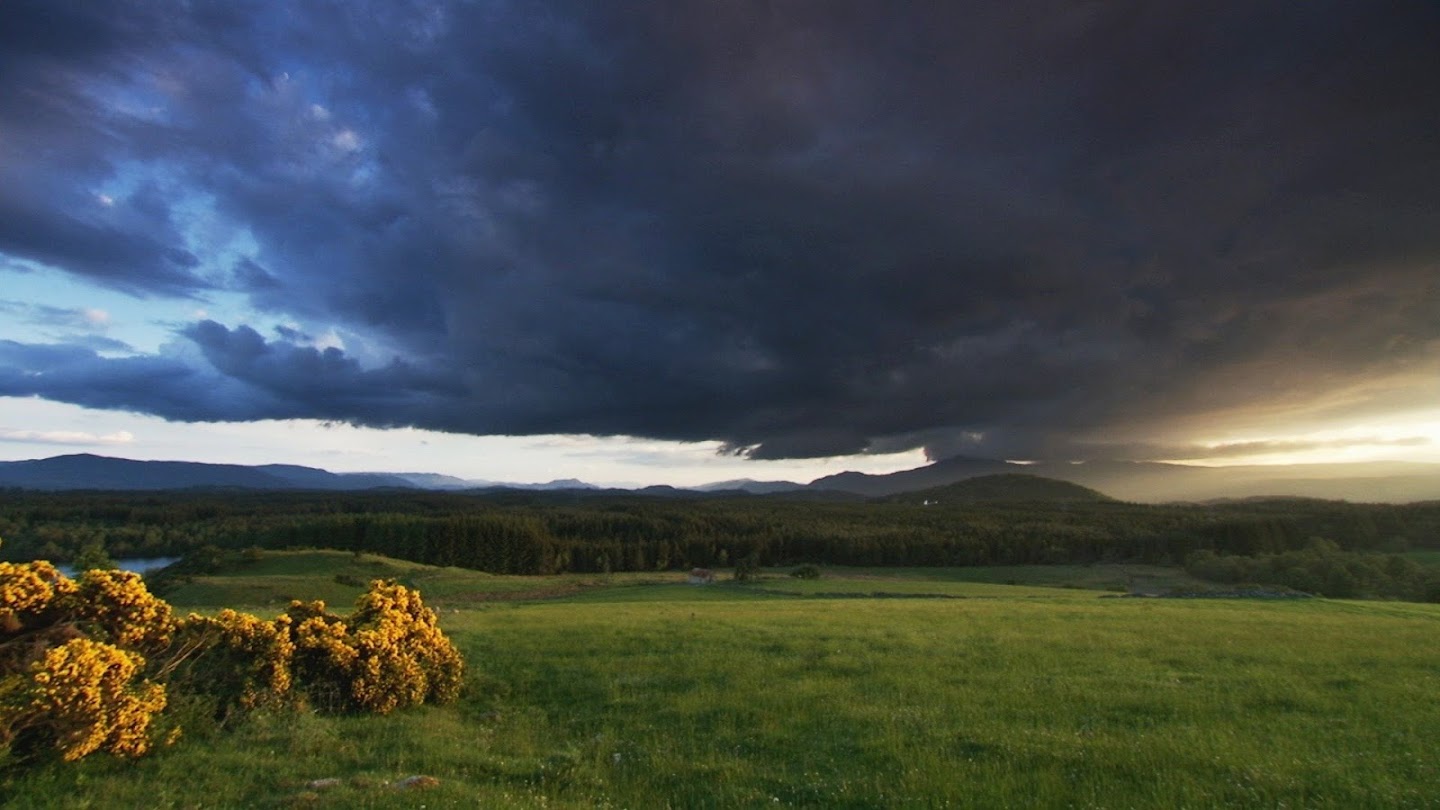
(27, 589)
(84, 695)
(390, 655)
(116, 606)
(251, 657)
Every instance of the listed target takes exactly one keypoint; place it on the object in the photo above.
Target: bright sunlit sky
(676, 242)
(619, 461)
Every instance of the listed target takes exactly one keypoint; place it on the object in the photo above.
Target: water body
(139, 565)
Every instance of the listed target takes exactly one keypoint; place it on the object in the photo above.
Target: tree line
(545, 533)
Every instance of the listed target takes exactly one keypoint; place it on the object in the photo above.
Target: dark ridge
(84, 471)
(1004, 487)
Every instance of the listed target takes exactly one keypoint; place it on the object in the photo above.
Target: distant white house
(701, 576)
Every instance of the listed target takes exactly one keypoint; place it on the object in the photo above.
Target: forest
(547, 533)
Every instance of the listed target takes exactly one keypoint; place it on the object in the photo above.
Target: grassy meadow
(865, 688)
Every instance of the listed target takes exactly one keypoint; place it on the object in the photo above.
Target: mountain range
(1004, 487)
(92, 472)
(1131, 481)
(1157, 482)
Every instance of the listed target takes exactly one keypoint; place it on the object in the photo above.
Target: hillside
(940, 473)
(86, 471)
(1005, 488)
(1144, 482)
(863, 688)
(1157, 482)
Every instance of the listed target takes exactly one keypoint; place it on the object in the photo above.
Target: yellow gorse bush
(248, 659)
(85, 663)
(71, 670)
(323, 640)
(26, 590)
(85, 693)
(117, 607)
(390, 653)
(403, 658)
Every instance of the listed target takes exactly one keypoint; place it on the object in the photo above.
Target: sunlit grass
(279, 576)
(668, 695)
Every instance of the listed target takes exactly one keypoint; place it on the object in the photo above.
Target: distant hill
(437, 481)
(1011, 487)
(751, 486)
(1158, 482)
(938, 474)
(561, 485)
(1152, 482)
(86, 471)
(313, 478)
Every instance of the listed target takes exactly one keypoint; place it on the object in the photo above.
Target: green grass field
(640, 691)
(271, 582)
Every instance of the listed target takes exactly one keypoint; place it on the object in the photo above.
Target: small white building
(701, 576)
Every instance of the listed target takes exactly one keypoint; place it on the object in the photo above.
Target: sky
(681, 241)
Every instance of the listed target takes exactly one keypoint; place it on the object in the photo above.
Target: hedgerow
(88, 664)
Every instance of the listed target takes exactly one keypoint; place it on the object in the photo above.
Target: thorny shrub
(85, 663)
(85, 697)
(63, 689)
(389, 654)
(26, 592)
(114, 606)
(239, 659)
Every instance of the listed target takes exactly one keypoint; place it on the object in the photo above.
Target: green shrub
(747, 568)
(1321, 568)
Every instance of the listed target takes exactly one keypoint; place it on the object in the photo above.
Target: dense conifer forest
(545, 533)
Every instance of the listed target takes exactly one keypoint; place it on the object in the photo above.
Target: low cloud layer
(802, 229)
(65, 437)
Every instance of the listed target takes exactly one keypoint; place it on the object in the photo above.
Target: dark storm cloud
(802, 228)
(245, 378)
(305, 373)
(59, 143)
(75, 373)
(293, 335)
(105, 254)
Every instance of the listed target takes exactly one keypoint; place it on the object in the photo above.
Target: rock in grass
(417, 782)
(323, 784)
